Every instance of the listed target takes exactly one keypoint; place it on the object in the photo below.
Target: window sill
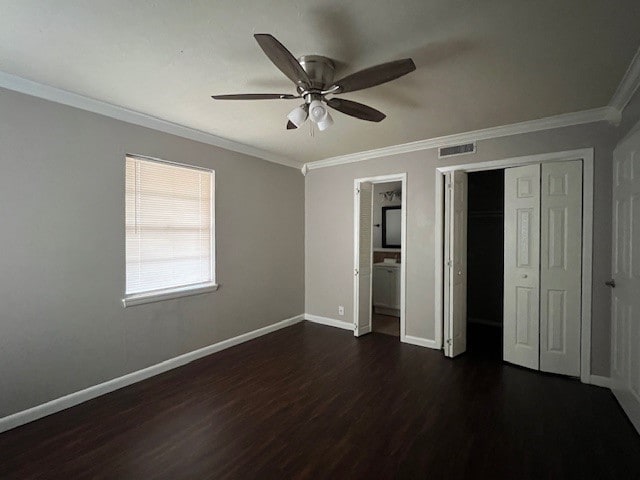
(168, 294)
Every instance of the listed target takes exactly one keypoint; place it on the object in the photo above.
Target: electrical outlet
(340, 310)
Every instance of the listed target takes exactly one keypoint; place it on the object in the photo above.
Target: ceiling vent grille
(464, 149)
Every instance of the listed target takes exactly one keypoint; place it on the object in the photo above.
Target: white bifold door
(542, 266)
(456, 267)
(521, 343)
(561, 267)
(625, 331)
(362, 270)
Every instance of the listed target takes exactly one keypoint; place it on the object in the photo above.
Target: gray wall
(62, 266)
(329, 226)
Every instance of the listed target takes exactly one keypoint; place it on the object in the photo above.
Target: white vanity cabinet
(386, 288)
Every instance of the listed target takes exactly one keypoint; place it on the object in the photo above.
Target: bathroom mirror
(391, 222)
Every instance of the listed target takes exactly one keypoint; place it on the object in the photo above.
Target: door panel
(364, 214)
(561, 267)
(522, 266)
(625, 327)
(457, 264)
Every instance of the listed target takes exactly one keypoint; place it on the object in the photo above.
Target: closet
(485, 263)
(542, 265)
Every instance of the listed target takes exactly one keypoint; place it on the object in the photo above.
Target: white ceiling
(480, 63)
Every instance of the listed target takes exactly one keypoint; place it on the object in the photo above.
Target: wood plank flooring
(312, 402)
(385, 324)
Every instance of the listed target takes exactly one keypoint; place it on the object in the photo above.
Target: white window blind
(169, 226)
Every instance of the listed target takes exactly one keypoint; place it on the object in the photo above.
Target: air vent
(465, 149)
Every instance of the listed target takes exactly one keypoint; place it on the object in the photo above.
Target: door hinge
(448, 342)
(357, 191)
(449, 263)
(356, 272)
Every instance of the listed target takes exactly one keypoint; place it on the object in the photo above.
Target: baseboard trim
(81, 396)
(331, 322)
(630, 405)
(421, 342)
(599, 381)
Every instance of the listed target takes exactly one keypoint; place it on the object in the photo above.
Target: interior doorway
(387, 236)
(485, 263)
(379, 255)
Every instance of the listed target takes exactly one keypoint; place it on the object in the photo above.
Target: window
(169, 230)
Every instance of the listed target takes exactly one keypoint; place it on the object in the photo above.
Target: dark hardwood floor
(313, 402)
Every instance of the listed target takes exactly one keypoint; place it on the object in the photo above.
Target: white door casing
(561, 267)
(625, 305)
(456, 343)
(362, 270)
(522, 266)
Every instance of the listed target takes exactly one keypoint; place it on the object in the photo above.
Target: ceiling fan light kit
(313, 76)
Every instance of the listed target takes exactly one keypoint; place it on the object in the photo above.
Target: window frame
(158, 295)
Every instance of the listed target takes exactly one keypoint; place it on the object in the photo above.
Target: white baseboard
(67, 401)
(332, 322)
(421, 342)
(630, 405)
(599, 381)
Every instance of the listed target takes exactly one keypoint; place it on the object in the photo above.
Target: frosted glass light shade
(317, 111)
(325, 123)
(298, 116)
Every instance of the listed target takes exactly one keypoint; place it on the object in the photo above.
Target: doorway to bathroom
(379, 255)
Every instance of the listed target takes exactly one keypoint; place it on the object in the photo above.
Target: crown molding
(602, 114)
(628, 86)
(64, 97)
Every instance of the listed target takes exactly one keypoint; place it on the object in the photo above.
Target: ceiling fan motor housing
(321, 70)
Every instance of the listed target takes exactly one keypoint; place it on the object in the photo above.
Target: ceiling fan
(313, 78)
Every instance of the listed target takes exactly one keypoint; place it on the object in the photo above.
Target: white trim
(586, 155)
(421, 342)
(331, 322)
(587, 264)
(599, 381)
(57, 95)
(402, 177)
(602, 114)
(168, 294)
(628, 86)
(438, 304)
(630, 405)
(67, 401)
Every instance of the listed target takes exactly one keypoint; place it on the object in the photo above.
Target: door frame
(395, 177)
(587, 156)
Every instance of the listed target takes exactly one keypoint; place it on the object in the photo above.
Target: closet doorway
(547, 219)
(485, 263)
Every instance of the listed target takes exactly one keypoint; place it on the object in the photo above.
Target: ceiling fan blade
(255, 96)
(291, 125)
(355, 109)
(283, 59)
(372, 76)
